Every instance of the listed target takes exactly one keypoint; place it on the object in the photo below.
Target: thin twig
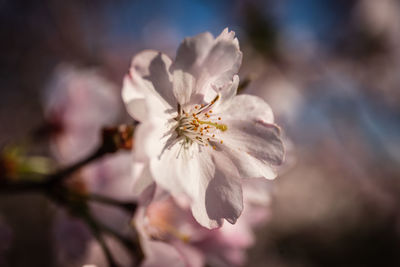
(128, 206)
(60, 176)
(131, 244)
(97, 233)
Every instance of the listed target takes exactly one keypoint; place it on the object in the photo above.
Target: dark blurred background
(329, 69)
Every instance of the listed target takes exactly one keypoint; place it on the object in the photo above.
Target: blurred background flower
(329, 69)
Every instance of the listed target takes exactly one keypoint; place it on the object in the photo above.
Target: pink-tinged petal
(191, 256)
(110, 176)
(148, 87)
(79, 102)
(158, 254)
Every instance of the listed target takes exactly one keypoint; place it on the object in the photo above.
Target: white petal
(227, 94)
(153, 67)
(184, 84)
(221, 64)
(192, 52)
(252, 142)
(134, 100)
(256, 138)
(248, 107)
(148, 87)
(165, 171)
(215, 192)
(228, 36)
(151, 137)
(181, 170)
(223, 196)
(247, 165)
(210, 61)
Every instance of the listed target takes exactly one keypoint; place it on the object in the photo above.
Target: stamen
(193, 130)
(222, 127)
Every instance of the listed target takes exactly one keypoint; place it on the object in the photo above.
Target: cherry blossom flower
(169, 233)
(79, 102)
(197, 137)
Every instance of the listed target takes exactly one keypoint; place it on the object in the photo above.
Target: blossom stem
(97, 233)
(132, 244)
(128, 206)
(65, 173)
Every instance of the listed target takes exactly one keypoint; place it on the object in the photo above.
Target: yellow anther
(214, 147)
(210, 111)
(221, 141)
(222, 127)
(196, 107)
(213, 135)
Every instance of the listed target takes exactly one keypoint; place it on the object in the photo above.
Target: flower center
(200, 125)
